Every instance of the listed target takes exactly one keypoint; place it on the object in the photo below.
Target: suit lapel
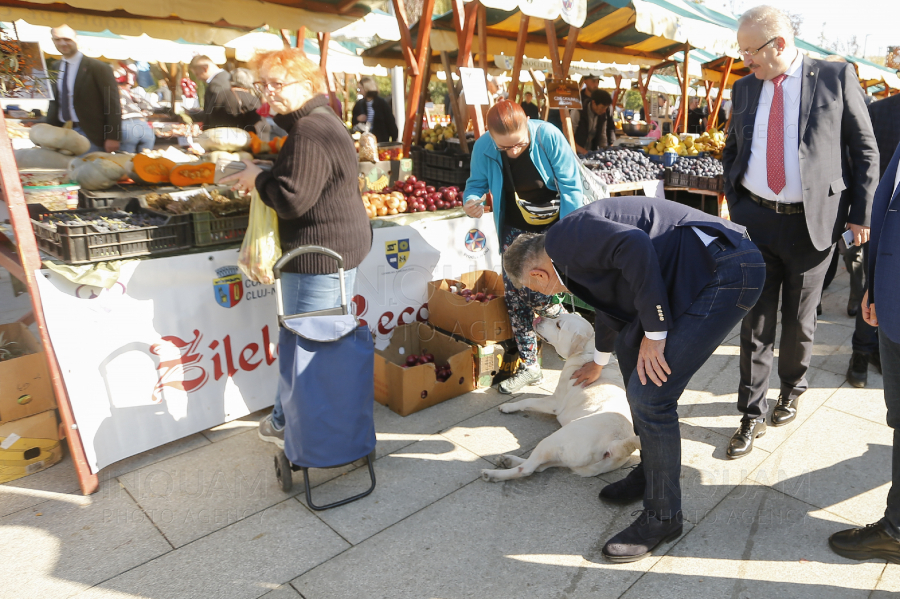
(810, 77)
(748, 118)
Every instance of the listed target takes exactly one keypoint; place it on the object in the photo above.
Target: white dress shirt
(214, 71)
(897, 180)
(69, 67)
(756, 177)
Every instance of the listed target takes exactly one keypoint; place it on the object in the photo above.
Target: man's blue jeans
(694, 336)
(308, 293)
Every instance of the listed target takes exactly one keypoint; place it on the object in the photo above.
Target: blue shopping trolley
(326, 364)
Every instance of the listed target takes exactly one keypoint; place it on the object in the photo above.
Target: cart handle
(299, 251)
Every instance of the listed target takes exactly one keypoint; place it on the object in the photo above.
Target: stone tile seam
(149, 519)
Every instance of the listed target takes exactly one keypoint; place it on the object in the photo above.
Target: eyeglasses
(748, 53)
(521, 144)
(276, 87)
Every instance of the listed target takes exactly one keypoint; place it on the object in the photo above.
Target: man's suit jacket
(838, 153)
(384, 125)
(884, 253)
(95, 96)
(885, 115)
(221, 107)
(636, 261)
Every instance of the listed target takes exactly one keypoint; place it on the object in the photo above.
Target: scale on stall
(635, 143)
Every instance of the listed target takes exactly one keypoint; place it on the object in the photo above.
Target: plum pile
(624, 166)
(700, 167)
(442, 373)
(105, 222)
(471, 296)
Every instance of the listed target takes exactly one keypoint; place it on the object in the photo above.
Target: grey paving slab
(395, 432)
(536, 537)
(236, 426)
(153, 456)
(889, 585)
(493, 433)
(285, 591)
(866, 403)
(245, 560)
(39, 487)
(196, 493)
(67, 544)
(836, 462)
(407, 481)
(758, 543)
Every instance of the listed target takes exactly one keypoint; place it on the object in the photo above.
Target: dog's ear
(575, 339)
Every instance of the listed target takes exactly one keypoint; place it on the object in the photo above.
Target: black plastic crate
(676, 179)
(117, 196)
(446, 161)
(210, 229)
(445, 177)
(83, 244)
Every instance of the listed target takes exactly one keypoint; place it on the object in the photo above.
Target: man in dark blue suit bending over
(882, 539)
(668, 283)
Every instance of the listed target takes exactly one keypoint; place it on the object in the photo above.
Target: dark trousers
(865, 336)
(694, 336)
(890, 363)
(795, 270)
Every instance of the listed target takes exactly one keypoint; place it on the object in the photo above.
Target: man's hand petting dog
(651, 362)
(587, 374)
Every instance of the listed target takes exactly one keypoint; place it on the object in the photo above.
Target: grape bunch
(105, 222)
(700, 167)
(633, 166)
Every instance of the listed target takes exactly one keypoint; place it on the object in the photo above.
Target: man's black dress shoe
(785, 411)
(871, 542)
(742, 441)
(858, 371)
(642, 537)
(630, 488)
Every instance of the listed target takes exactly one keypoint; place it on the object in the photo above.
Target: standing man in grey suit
(801, 167)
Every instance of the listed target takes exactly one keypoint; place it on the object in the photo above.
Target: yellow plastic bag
(262, 245)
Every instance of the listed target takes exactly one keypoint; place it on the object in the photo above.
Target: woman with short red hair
(532, 173)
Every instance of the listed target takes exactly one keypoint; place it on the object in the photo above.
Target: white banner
(182, 344)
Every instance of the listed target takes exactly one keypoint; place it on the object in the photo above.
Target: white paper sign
(474, 86)
(574, 12)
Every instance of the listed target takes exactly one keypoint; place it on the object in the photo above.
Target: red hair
(294, 62)
(505, 118)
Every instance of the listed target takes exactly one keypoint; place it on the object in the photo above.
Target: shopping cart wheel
(283, 472)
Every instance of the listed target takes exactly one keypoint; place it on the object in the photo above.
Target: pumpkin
(123, 159)
(276, 144)
(227, 156)
(152, 170)
(27, 158)
(95, 174)
(65, 141)
(256, 143)
(228, 139)
(185, 175)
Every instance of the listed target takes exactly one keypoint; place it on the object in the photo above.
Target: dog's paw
(487, 476)
(504, 461)
(508, 408)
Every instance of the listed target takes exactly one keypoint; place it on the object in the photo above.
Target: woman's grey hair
(242, 78)
(773, 22)
(524, 254)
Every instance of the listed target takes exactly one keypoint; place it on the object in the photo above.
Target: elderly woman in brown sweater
(313, 186)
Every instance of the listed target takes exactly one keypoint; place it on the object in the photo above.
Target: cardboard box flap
(478, 322)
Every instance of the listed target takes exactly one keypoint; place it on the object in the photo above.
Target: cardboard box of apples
(411, 196)
(472, 307)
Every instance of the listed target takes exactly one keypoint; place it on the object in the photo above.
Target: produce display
(410, 196)
(471, 296)
(712, 143)
(701, 167)
(432, 137)
(173, 130)
(390, 153)
(228, 139)
(43, 177)
(185, 175)
(104, 222)
(100, 170)
(152, 170)
(442, 373)
(215, 202)
(61, 139)
(41, 158)
(622, 165)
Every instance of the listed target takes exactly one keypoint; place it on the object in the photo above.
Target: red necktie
(775, 138)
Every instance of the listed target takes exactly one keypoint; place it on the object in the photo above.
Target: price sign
(564, 94)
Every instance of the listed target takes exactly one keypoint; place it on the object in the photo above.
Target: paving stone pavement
(205, 517)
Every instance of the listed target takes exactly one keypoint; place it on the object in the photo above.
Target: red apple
(440, 204)
(432, 208)
(428, 357)
(450, 195)
(419, 193)
(479, 296)
(419, 185)
(429, 202)
(411, 179)
(408, 188)
(430, 188)
(412, 360)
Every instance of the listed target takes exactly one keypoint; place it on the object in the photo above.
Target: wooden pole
(726, 73)
(285, 37)
(684, 87)
(423, 98)
(517, 60)
(301, 39)
(482, 37)
(415, 61)
(406, 46)
(454, 104)
(618, 80)
(464, 21)
(553, 46)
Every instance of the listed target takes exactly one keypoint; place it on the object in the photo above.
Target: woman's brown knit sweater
(314, 188)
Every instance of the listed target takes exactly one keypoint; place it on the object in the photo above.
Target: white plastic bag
(262, 245)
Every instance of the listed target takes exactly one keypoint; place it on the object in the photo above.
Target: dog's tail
(622, 448)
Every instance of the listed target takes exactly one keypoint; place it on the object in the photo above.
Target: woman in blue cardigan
(532, 173)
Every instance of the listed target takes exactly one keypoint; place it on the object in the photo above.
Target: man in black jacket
(593, 124)
(530, 108)
(374, 110)
(87, 94)
(221, 107)
(667, 284)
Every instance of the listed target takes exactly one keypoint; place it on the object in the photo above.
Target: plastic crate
(446, 161)
(443, 177)
(667, 159)
(210, 229)
(117, 196)
(83, 244)
(716, 183)
(676, 179)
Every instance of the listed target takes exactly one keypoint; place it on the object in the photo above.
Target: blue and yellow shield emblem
(396, 252)
(229, 287)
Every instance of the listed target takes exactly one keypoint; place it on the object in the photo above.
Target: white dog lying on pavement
(597, 434)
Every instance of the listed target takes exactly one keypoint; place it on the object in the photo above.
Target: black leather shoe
(858, 372)
(643, 536)
(742, 441)
(871, 542)
(785, 411)
(852, 308)
(630, 488)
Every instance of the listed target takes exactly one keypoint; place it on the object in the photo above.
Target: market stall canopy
(193, 20)
(639, 32)
(341, 59)
(121, 47)
(375, 24)
(577, 67)
(247, 46)
(872, 74)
